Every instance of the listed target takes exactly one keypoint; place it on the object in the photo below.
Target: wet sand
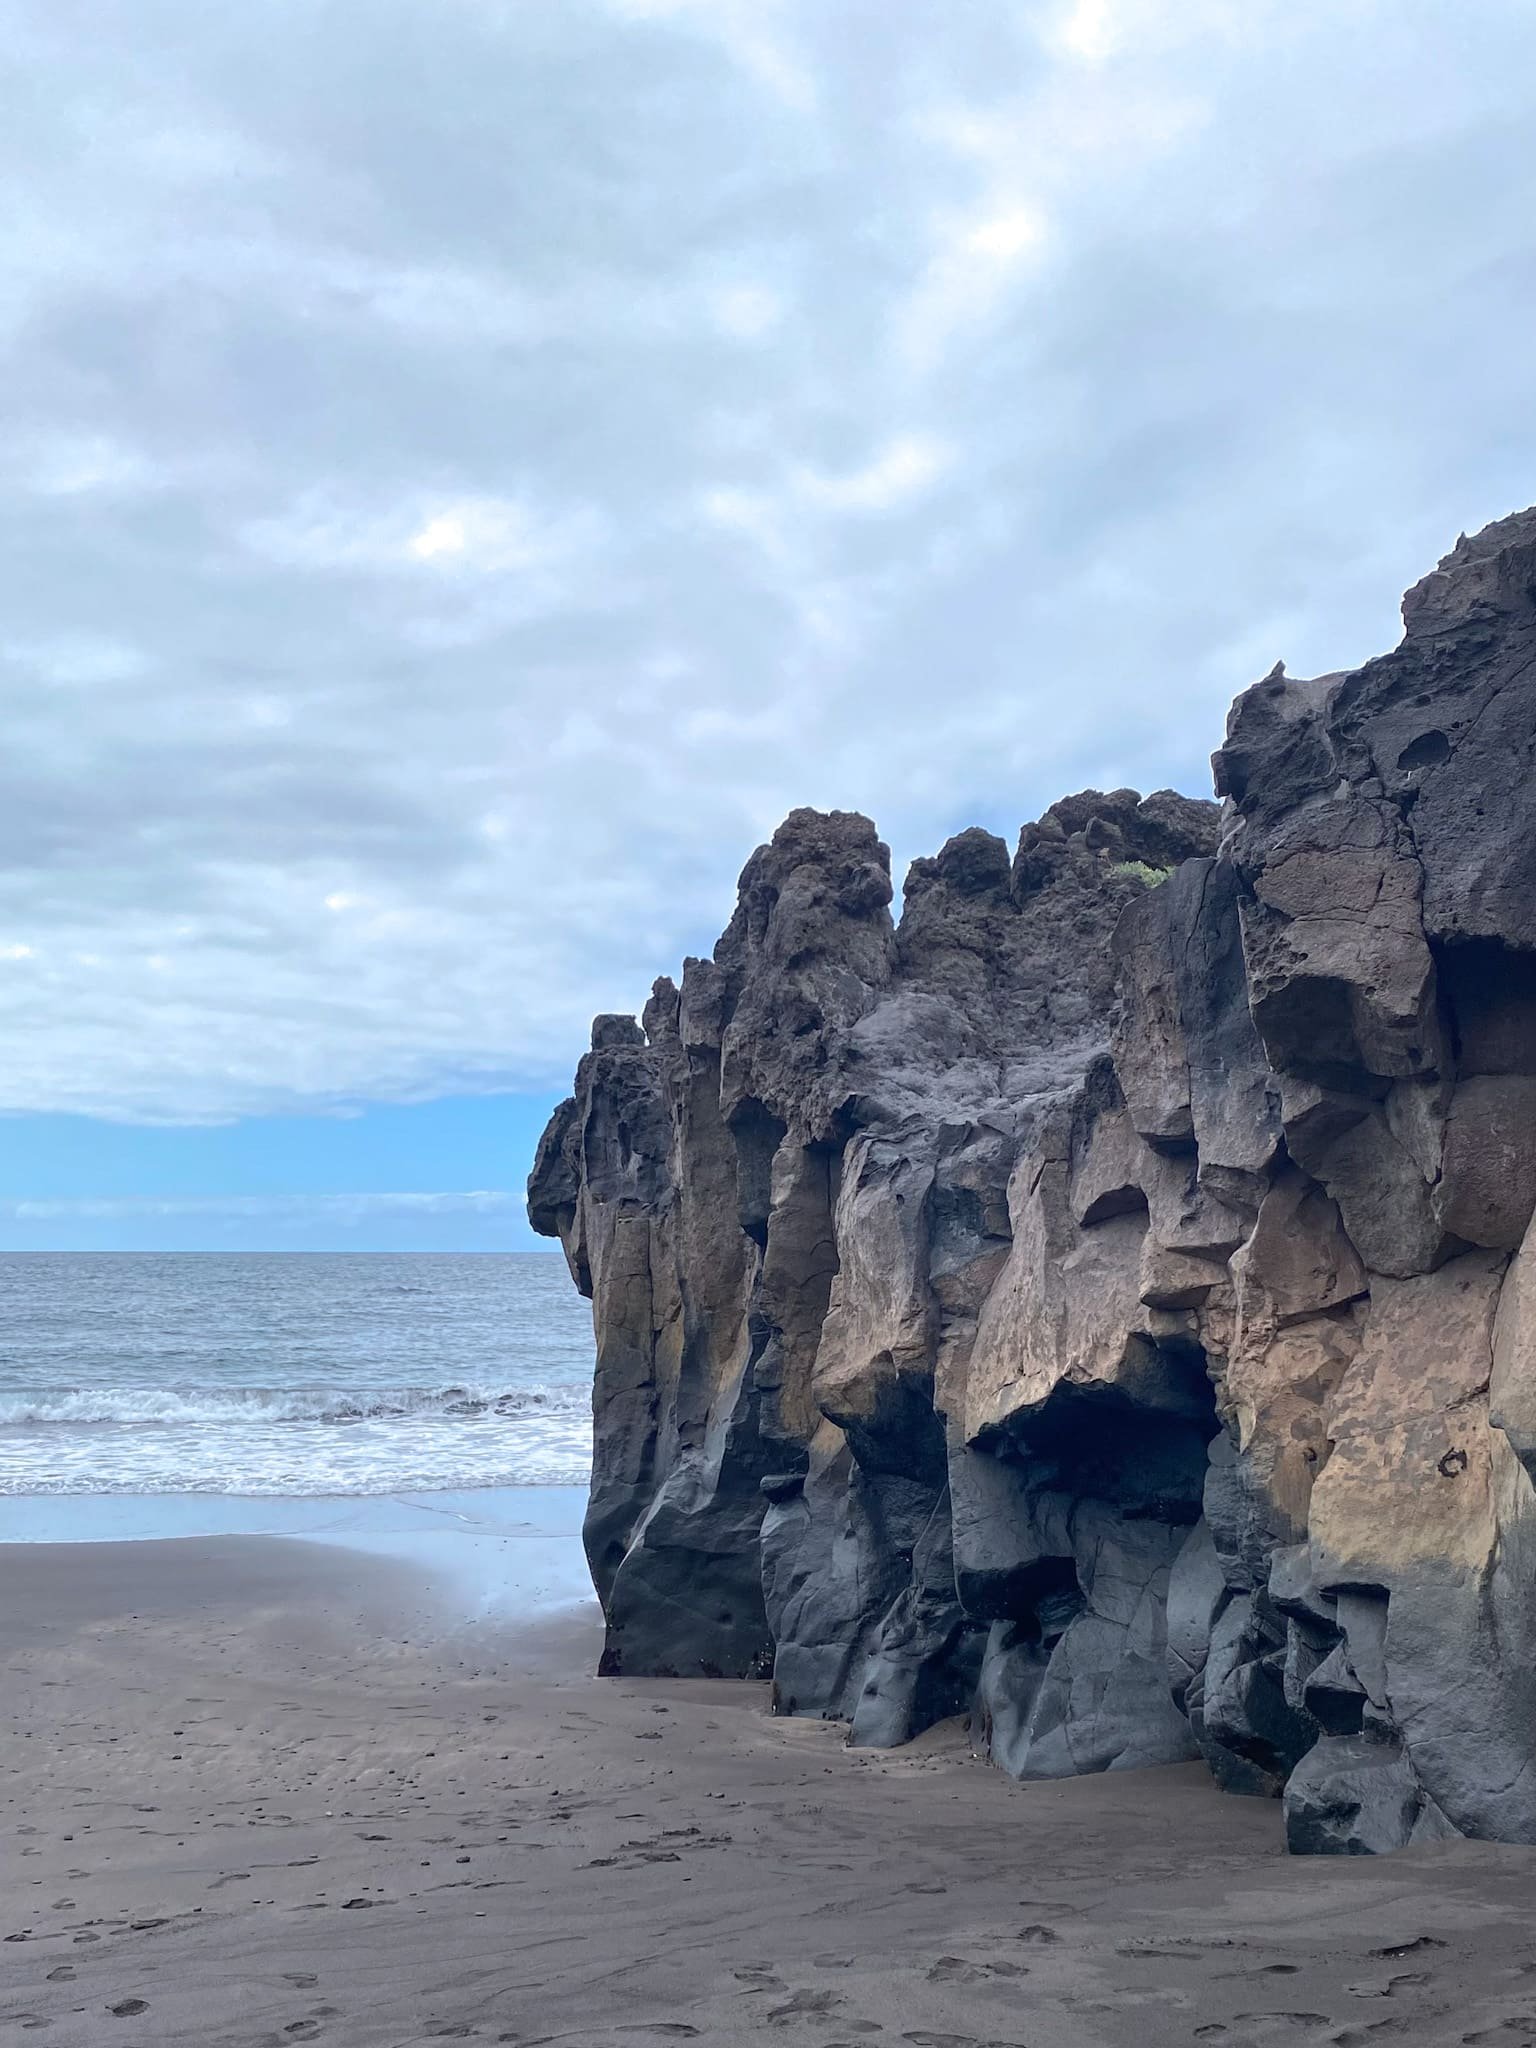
(258, 1790)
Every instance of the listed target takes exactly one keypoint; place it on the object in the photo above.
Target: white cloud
(443, 534)
(446, 529)
(753, 515)
(747, 312)
(754, 34)
(977, 260)
(487, 536)
(482, 535)
(264, 712)
(77, 659)
(1003, 238)
(1086, 29)
(69, 465)
(904, 470)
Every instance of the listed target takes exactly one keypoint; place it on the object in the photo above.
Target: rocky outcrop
(1103, 1302)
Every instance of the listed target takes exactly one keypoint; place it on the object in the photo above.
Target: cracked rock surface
(1103, 1301)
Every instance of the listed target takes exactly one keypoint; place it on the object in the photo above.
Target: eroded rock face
(1104, 1301)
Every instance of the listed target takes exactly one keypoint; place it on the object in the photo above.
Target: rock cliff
(1104, 1301)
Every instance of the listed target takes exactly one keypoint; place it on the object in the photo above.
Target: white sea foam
(77, 1406)
(155, 1440)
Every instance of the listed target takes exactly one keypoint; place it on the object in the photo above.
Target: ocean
(298, 1375)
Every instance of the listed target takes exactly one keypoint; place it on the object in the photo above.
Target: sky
(468, 467)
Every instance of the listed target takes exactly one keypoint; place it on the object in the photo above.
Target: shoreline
(260, 1789)
(510, 1553)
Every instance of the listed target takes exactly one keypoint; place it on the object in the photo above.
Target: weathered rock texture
(1105, 1300)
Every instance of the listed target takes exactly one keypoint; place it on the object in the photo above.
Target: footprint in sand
(804, 2005)
(931, 2040)
(1282, 2019)
(759, 1980)
(1388, 1987)
(960, 1970)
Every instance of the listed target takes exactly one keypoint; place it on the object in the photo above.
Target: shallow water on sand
(291, 1374)
(505, 1555)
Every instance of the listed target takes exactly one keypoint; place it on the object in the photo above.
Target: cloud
(76, 659)
(747, 312)
(1086, 29)
(455, 503)
(484, 536)
(77, 465)
(903, 470)
(755, 35)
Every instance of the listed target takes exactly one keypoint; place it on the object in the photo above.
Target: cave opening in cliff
(1106, 1482)
(1140, 1445)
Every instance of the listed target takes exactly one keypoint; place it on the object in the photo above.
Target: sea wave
(316, 1482)
(78, 1407)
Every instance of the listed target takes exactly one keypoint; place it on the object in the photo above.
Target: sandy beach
(258, 1790)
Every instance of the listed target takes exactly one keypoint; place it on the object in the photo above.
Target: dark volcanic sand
(258, 1791)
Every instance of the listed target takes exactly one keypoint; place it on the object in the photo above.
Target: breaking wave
(126, 1406)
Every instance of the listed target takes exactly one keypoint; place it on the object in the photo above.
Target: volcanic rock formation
(1105, 1300)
